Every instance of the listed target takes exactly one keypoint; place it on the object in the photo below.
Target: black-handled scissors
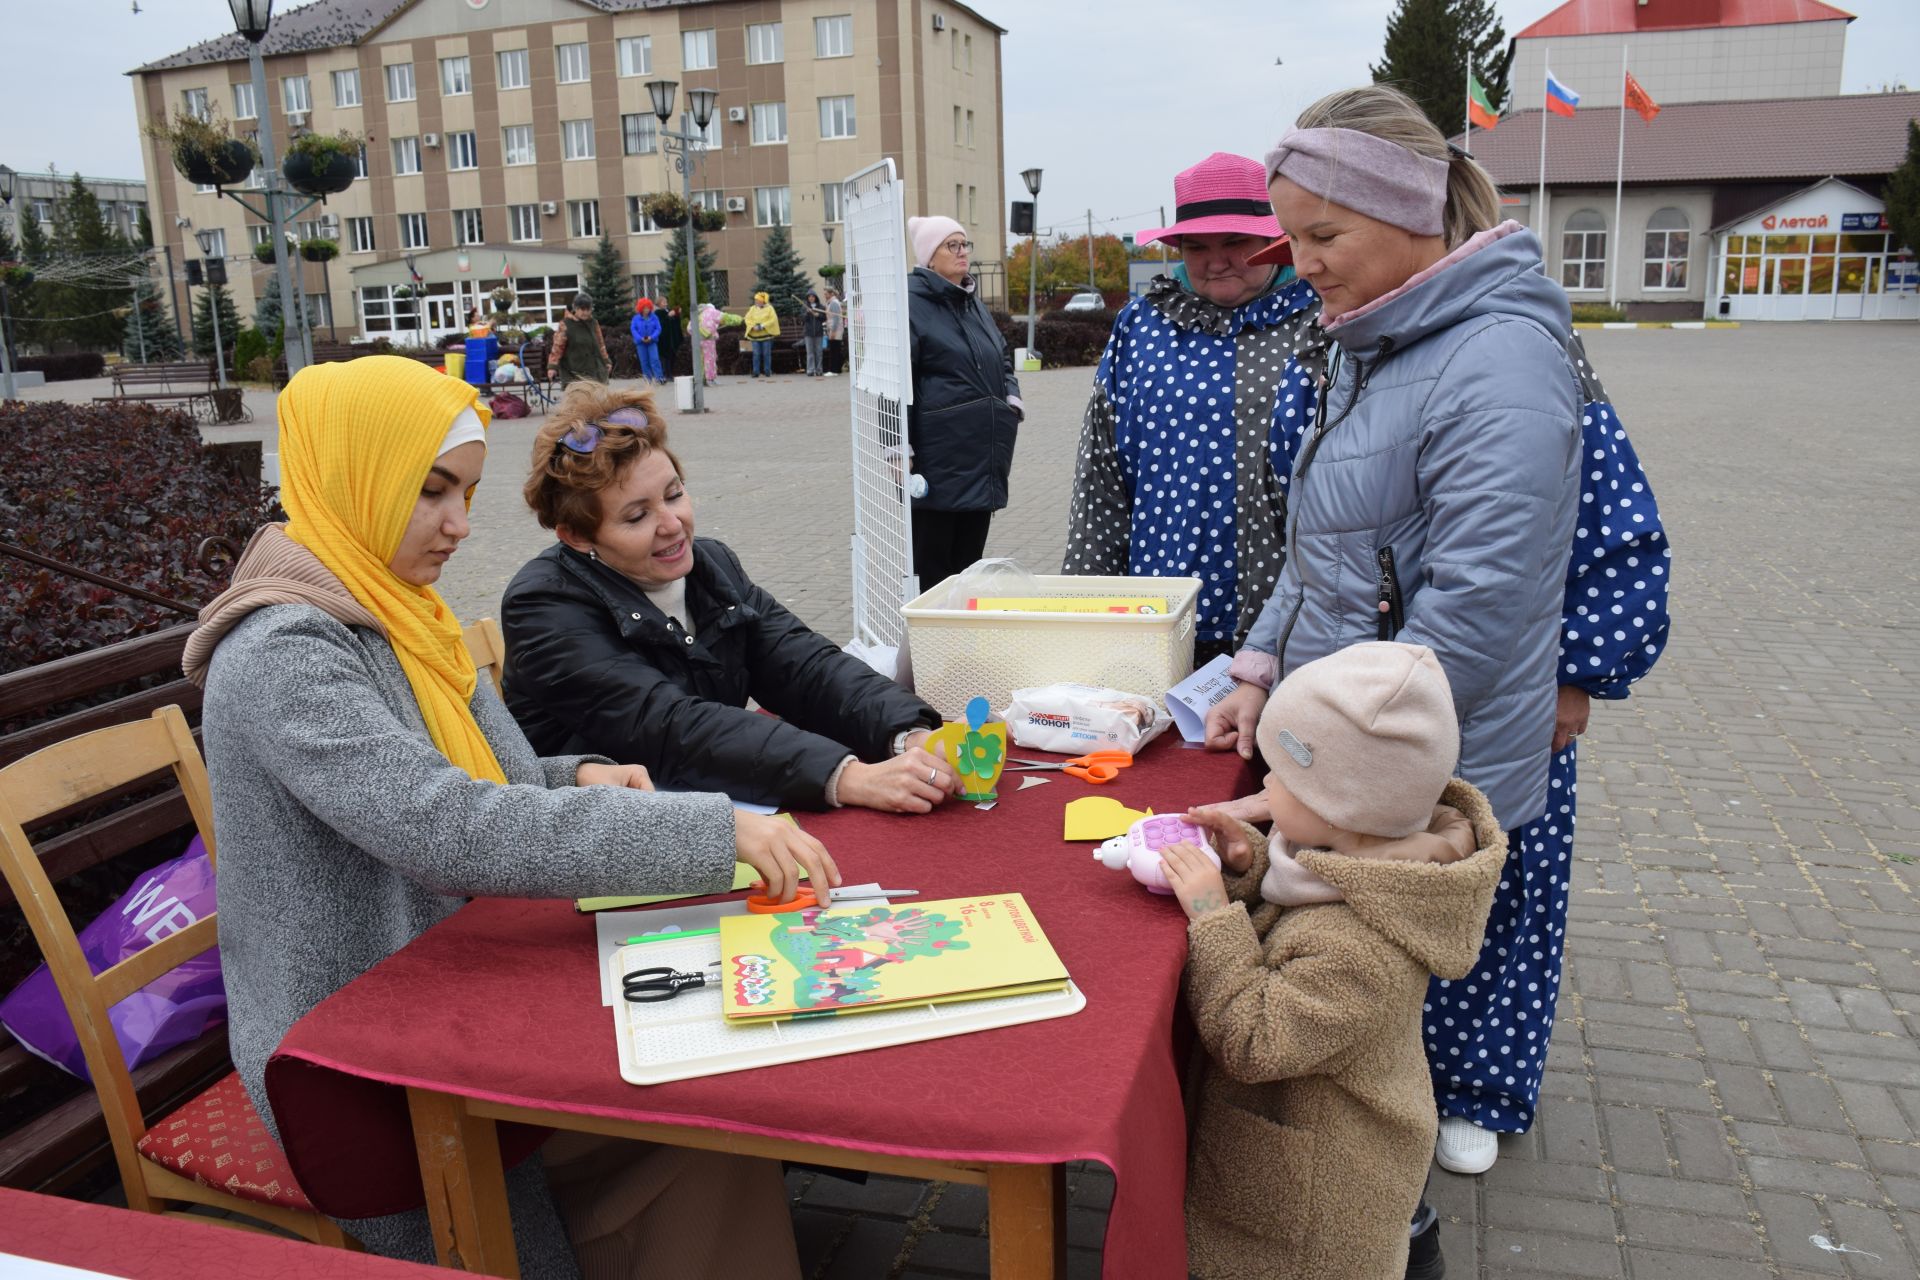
(648, 986)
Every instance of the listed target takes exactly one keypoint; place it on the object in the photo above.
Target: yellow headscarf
(356, 442)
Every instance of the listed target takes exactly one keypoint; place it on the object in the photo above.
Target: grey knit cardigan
(343, 833)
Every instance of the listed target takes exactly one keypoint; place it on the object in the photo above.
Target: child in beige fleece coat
(1308, 963)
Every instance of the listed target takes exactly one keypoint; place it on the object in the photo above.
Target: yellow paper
(978, 764)
(845, 959)
(1100, 818)
(1071, 604)
(743, 875)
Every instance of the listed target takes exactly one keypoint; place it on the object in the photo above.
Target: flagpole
(1540, 214)
(1467, 137)
(1619, 181)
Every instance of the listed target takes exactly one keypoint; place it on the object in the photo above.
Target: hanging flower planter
(264, 251)
(320, 164)
(319, 250)
(502, 299)
(710, 219)
(202, 152)
(665, 209)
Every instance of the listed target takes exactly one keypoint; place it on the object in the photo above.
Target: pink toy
(1139, 849)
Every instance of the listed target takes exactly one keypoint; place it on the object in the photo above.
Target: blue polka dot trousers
(1486, 1034)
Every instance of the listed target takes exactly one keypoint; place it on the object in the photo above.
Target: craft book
(845, 959)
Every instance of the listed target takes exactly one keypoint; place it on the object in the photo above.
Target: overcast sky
(1111, 98)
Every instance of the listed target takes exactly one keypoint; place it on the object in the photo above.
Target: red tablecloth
(146, 1246)
(501, 1001)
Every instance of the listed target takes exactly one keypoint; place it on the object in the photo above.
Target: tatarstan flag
(1638, 99)
(1480, 112)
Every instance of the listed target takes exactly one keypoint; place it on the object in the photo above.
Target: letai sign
(1805, 222)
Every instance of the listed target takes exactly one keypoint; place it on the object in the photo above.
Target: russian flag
(1560, 99)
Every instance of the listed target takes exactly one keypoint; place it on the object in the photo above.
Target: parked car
(1085, 300)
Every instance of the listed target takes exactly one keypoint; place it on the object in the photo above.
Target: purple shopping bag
(171, 1010)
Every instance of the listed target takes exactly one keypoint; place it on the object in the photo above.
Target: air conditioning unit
(738, 115)
(736, 204)
(939, 23)
(296, 119)
(429, 139)
(549, 207)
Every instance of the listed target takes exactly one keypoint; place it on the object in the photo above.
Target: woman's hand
(1222, 822)
(613, 775)
(777, 850)
(1569, 716)
(1230, 721)
(911, 782)
(1194, 879)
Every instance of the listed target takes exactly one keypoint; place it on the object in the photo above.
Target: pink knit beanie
(928, 234)
(1367, 737)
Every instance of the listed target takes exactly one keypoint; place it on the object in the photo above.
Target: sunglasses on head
(586, 437)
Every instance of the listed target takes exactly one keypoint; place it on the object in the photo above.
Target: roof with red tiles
(1617, 17)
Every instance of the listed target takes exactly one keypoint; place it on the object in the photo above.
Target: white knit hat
(928, 234)
(1367, 737)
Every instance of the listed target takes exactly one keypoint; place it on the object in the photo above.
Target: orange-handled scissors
(1095, 766)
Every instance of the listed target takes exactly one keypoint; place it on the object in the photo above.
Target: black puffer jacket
(966, 400)
(593, 662)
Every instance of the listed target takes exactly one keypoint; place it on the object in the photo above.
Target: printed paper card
(844, 959)
(1191, 699)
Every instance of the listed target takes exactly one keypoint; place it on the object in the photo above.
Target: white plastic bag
(1073, 718)
(990, 578)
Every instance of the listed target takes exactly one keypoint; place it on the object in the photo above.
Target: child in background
(1308, 966)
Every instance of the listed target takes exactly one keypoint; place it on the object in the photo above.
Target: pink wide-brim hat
(1222, 195)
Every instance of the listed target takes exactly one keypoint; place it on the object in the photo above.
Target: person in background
(672, 335)
(646, 340)
(763, 326)
(711, 321)
(631, 632)
(836, 333)
(966, 409)
(1188, 439)
(813, 319)
(366, 782)
(579, 350)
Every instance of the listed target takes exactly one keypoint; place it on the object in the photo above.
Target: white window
(711, 198)
(959, 210)
(400, 82)
(833, 202)
(636, 56)
(969, 128)
(258, 233)
(309, 230)
(257, 180)
(516, 141)
(359, 235)
(468, 228)
(217, 238)
(969, 40)
(833, 37)
(296, 95)
(576, 139)
(769, 122)
(637, 220)
(463, 150)
(406, 156)
(194, 103)
(524, 222)
(360, 161)
(972, 194)
(836, 117)
(243, 108)
(764, 42)
(772, 207)
(709, 137)
(514, 71)
(953, 45)
(456, 77)
(649, 284)
(583, 218)
(346, 88)
(1667, 249)
(1583, 252)
(571, 59)
(699, 51)
(639, 134)
(413, 231)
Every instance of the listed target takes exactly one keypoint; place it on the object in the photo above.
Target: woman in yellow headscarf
(365, 782)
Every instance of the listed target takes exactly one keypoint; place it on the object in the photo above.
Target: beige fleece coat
(1316, 1118)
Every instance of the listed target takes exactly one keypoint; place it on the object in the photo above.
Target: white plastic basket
(958, 654)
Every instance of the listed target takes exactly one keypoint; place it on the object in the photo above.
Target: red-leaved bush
(122, 490)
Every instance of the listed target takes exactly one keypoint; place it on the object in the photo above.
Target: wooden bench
(323, 353)
(187, 383)
(55, 1136)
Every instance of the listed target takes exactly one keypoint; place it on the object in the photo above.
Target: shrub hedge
(66, 368)
(123, 490)
(1064, 337)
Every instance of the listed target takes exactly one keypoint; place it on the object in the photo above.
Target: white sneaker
(1464, 1147)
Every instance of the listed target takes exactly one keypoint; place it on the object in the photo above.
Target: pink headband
(1366, 174)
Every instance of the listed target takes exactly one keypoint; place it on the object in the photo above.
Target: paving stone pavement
(1734, 1085)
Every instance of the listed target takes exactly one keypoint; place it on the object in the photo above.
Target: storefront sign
(1805, 222)
(1863, 222)
(1750, 278)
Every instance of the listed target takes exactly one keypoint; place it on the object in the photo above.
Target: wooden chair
(214, 1150)
(489, 651)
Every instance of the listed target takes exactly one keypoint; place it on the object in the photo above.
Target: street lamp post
(213, 302)
(1032, 178)
(827, 231)
(680, 147)
(7, 389)
(251, 19)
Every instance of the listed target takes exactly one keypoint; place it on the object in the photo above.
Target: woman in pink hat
(1188, 438)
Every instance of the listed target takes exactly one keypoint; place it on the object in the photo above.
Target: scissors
(1095, 766)
(760, 903)
(649, 986)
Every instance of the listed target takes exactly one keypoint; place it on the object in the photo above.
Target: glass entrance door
(1852, 282)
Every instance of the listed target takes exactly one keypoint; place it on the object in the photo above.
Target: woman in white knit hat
(966, 406)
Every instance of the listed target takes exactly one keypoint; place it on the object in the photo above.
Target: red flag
(1639, 100)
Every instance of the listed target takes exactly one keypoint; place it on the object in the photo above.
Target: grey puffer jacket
(1443, 478)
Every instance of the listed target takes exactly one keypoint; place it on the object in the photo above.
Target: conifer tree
(1903, 194)
(610, 282)
(203, 320)
(781, 274)
(1426, 51)
(676, 269)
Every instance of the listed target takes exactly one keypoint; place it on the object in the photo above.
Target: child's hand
(1228, 837)
(1194, 878)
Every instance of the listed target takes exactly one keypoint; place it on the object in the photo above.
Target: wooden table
(522, 1039)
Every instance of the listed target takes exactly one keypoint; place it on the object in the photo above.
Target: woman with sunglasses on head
(365, 783)
(633, 635)
(966, 404)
